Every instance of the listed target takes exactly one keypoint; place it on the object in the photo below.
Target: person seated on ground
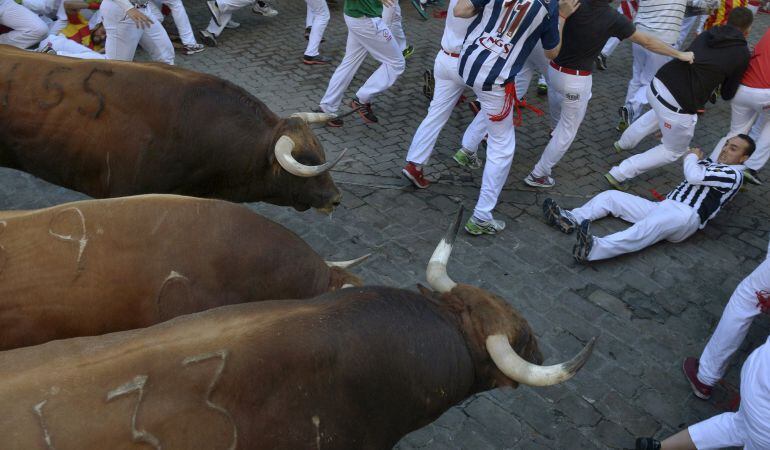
(746, 428)
(80, 38)
(26, 28)
(707, 187)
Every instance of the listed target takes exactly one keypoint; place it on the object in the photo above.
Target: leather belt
(567, 70)
(453, 55)
(664, 102)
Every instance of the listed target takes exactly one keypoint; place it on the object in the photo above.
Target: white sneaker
(539, 182)
(193, 49)
(263, 9)
(232, 24)
(478, 227)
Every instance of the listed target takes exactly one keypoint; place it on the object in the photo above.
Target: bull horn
(348, 264)
(283, 149)
(314, 117)
(517, 369)
(347, 285)
(437, 276)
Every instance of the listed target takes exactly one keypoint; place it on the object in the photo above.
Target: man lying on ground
(707, 187)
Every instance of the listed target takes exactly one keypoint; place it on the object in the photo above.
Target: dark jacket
(721, 57)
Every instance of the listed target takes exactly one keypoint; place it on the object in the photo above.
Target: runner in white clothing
(497, 44)
(368, 33)
(448, 88)
(222, 13)
(129, 24)
(27, 29)
(663, 19)
(317, 20)
(747, 428)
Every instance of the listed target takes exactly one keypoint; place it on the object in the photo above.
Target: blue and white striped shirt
(502, 36)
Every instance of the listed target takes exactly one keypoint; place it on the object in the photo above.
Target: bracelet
(562, 17)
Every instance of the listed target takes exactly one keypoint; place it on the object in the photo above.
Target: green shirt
(363, 8)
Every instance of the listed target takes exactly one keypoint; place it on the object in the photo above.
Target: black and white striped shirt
(501, 37)
(707, 186)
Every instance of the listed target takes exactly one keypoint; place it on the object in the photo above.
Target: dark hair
(752, 145)
(741, 18)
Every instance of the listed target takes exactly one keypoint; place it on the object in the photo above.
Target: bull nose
(337, 200)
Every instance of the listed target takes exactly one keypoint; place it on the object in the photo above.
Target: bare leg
(679, 441)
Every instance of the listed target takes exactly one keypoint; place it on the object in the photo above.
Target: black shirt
(721, 57)
(587, 30)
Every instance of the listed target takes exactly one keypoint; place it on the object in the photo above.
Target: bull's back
(355, 369)
(101, 266)
(105, 128)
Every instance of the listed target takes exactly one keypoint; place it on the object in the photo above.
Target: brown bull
(110, 129)
(99, 266)
(353, 369)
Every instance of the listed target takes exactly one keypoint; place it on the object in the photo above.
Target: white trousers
(181, 20)
(318, 18)
(27, 29)
(747, 428)
(645, 66)
(365, 36)
(123, 36)
(501, 144)
(568, 97)
(392, 17)
(734, 324)
(476, 132)
(750, 105)
(536, 61)
(652, 222)
(68, 47)
(448, 89)
(677, 130)
(226, 9)
(687, 25)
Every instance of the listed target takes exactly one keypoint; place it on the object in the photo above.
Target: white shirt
(454, 30)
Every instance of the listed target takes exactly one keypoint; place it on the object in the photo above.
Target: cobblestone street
(649, 310)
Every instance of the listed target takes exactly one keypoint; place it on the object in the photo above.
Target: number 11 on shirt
(521, 7)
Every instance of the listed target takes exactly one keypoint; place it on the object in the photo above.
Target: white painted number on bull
(136, 385)
(81, 241)
(39, 412)
(222, 355)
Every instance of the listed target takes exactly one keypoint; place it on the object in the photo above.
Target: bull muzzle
(283, 149)
(503, 355)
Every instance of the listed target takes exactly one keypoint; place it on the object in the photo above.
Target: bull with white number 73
(354, 369)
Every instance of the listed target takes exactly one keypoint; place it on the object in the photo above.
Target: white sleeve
(125, 5)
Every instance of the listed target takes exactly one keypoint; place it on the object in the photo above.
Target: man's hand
(696, 151)
(387, 3)
(140, 19)
(567, 7)
(688, 57)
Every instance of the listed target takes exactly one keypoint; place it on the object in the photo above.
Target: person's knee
(399, 65)
(323, 15)
(669, 155)
(38, 31)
